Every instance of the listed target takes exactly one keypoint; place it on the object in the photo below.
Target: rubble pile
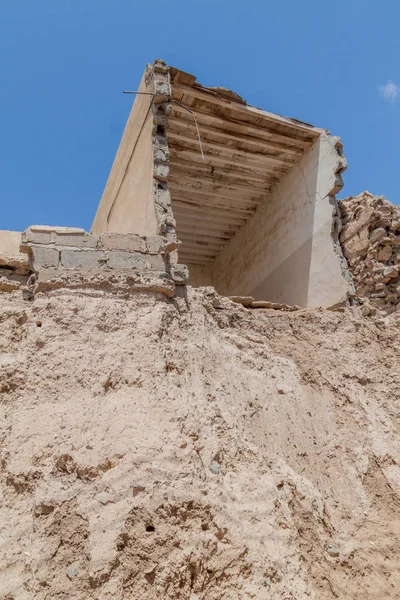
(370, 240)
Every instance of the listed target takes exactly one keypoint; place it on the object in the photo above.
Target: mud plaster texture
(370, 240)
(196, 449)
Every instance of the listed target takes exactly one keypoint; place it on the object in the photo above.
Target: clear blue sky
(64, 64)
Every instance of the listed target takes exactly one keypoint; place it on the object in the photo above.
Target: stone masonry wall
(158, 81)
(66, 251)
(370, 240)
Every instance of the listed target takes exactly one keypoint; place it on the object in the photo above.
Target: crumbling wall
(44, 257)
(63, 248)
(370, 239)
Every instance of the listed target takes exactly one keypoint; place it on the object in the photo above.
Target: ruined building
(161, 440)
(250, 195)
(206, 190)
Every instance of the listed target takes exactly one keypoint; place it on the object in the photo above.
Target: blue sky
(64, 65)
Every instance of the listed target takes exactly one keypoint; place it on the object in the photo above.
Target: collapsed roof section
(249, 194)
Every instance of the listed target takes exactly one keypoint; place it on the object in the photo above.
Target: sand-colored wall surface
(127, 203)
(285, 252)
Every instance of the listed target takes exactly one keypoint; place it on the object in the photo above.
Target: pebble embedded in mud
(215, 468)
(104, 498)
(333, 551)
(72, 571)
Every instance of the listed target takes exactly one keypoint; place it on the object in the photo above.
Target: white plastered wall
(127, 204)
(285, 252)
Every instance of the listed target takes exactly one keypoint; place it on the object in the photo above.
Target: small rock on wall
(370, 240)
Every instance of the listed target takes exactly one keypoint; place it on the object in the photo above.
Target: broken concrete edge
(337, 222)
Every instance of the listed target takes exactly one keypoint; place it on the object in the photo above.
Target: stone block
(155, 262)
(161, 153)
(44, 234)
(57, 229)
(357, 245)
(30, 236)
(162, 90)
(161, 171)
(119, 241)
(170, 223)
(180, 273)
(377, 234)
(59, 236)
(49, 274)
(385, 253)
(155, 244)
(85, 240)
(43, 257)
(82, 259)
(359, 222)
(163, 198)
(390, 272)
(126, 260)
(173, 257)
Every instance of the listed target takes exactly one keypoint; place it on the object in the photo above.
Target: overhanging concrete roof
(246, 151)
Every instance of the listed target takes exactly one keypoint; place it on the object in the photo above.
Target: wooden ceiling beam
(247, 114)
(230, 125)
(203, 172)
(222, 215)
(188, 226)
(205, 198)
(193, 140)
(245, 192)
(213, 206)
(225, 162)
(185, 123)
(180, 141)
